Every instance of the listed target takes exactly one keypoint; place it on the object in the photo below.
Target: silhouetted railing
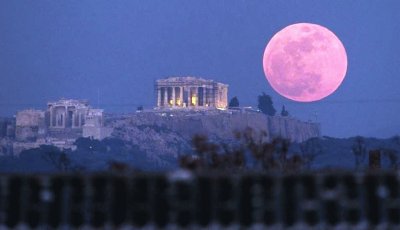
(185, 200)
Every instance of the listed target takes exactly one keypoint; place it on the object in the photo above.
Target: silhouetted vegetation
(89, 145)
(59, 160)
(234, 102)
(249, 151)
(54, 156)
(310, 149)
(253, 151)
(284, 112)
(110, 154)
(391, 154)
(114, 154)
(266, 105)
(360, 151)
(377, 156)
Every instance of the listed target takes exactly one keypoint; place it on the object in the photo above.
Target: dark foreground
(183, 200)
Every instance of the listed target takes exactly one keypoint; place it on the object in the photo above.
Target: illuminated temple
(191, 92)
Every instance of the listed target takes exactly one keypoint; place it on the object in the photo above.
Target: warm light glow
(171, 102)
(178, 101)
(194, 100)
(305, 62)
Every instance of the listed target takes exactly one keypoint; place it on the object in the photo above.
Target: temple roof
(187, 79)
(69, 102)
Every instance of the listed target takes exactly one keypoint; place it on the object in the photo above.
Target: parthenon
(191, 92)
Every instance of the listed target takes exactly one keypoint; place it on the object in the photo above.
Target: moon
(305, 62)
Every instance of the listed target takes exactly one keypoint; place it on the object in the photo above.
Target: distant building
(191, 92)
(66, 118)
(94, 126)
(75, 118)
(30, 124)
(67, 113)
(63, 120)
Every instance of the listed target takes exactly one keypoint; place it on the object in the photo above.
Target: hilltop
(154, 141)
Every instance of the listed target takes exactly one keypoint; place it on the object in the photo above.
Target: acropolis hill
(184, 106)
(171, 131)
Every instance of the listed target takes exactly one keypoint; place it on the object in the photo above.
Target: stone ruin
(63, 119)
(191, 92)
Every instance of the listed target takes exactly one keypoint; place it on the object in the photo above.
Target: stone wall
(170, 133)
(30, 124)
(222, 124)
(29, 117)
(98, 133)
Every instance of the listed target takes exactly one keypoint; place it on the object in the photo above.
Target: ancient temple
(67, 113)
(60, 125)
(191, 92)
(75, 118)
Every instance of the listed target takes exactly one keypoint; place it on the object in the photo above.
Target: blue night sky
(110, 52)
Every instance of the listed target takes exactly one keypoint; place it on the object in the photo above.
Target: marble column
(197, 96)
(65, 117)
(204, 96)
(189, 96)
(165, 96)
(56, 117)
(181, 95)
(158, 97)
(51, 117)
(60, 120)
(173, 96)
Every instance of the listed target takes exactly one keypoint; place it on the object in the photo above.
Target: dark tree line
(234, 102)
(253, 151)
(360, 152)
(264, 104)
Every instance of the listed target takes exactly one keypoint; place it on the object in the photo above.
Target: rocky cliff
(170, 132)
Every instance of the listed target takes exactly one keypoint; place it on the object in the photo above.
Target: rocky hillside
(170, 132)
(154, 140)
(219, 124)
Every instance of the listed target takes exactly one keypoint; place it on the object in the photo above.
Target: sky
(111, 52)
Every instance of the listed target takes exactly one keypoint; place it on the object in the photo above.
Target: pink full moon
(305, 62)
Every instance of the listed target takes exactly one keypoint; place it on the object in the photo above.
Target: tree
(284, 112)
(266, 105)
(234, 102)
(391, 154)
(89, 145)
(252, 150)
(57, 158)
(359, 150)
(310, 149)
